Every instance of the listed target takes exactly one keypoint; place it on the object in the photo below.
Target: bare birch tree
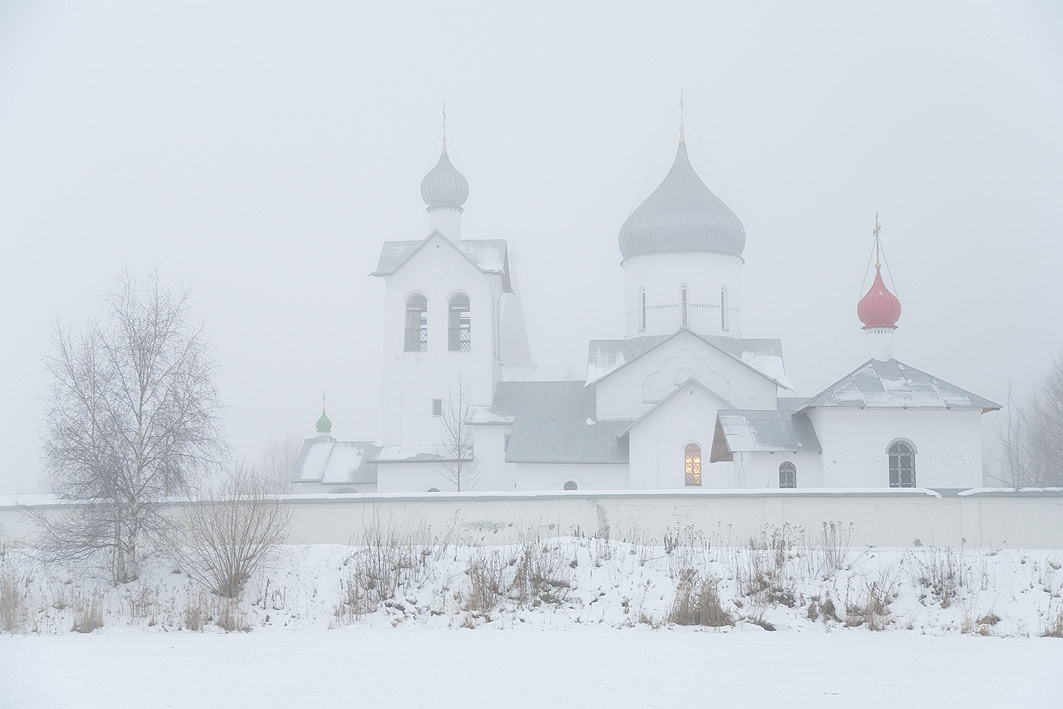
(460, 467)
(231, 531)
(1031, 435)
(132, 418)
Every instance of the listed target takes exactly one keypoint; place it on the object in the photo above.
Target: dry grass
(697, 602)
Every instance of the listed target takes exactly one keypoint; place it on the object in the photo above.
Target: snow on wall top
(893, 384)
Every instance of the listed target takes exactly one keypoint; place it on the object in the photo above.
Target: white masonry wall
(948, 444)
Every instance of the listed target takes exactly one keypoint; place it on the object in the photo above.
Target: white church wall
(761, 470)
(885, 518)
(634, 389)
(948, 445)
(663, 275)
(657, 446)
(413, 379)
(553, 476)
(490, 444)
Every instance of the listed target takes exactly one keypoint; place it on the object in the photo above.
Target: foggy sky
(260, 152)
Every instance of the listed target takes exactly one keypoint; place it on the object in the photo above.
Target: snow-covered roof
(325, 460)
(750, 431)
(488, 255)
(682, 387)
(553, 422)
(763, 356)
(893, 384)
(415, 454)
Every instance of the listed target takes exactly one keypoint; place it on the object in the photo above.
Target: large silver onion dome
(444, 186)
(681, 216)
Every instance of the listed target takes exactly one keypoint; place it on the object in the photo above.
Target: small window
(683, 306)
(460, 339)
(416, 324)
(724, 315)
(571, 485)
(902, 464)
(432, 489)
(437, 407)
(642, 310)
(693, 464)
(787, 475)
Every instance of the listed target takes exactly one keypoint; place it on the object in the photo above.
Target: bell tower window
(416, 339)
(724, 319)
(460, 339)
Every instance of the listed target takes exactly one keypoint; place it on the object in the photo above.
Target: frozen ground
(581, 667)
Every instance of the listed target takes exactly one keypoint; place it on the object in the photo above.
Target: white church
(683, 401)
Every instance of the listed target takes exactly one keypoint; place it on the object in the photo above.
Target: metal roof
(680, 216)
(325, 460)
(893, 384)
(554, 422)
(750, 431)
(444, 186)
(488, 255)
(764, 356)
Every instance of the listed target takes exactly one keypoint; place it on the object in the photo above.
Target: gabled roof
(746, 431)
(487, 255)
(763, 356)
(892, 384)
(671, 395)
(325, 460)
(553, 422)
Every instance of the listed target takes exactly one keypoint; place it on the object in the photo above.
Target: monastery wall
(889, 518)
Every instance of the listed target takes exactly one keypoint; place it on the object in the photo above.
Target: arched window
(416, 324)
(692, 458)
(432, 489)
(902, 464)
(787, 475)
(683, 306)
(642, 309)
(724, 316)
(460, 324)
(571, 485)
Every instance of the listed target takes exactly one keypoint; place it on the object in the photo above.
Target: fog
(260, 152)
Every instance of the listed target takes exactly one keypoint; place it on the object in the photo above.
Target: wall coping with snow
(983, 517)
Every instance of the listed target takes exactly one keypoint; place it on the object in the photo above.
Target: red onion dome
(879, 308)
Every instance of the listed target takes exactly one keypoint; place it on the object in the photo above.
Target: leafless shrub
(193, 618)
(873, 610)
(12, 602)
(387, 560)
(231, 531)
(697, 602)
(832, 551)
(88, 614)
(460, 469)
(542, 574)
(230, 618)
(941, 571)
(487, 581)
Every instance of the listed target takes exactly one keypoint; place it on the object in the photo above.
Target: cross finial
(444, 128)
(682, 110)
(322, 402)
(875, 231)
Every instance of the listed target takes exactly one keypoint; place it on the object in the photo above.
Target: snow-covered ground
(573, 621)
(580, 667)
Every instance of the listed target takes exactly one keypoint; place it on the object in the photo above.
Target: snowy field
(582, 667)
(560, 621)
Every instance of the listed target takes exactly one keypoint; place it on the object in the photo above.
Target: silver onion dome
(444, 186)
(682, 215)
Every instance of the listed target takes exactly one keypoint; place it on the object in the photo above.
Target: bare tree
(1031, 436)
(278, 462)
(231, 531)
(460, 467)
(133, 417)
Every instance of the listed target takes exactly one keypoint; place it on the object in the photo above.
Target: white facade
(683, 401)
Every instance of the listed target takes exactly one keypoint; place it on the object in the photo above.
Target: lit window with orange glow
(693, 464)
